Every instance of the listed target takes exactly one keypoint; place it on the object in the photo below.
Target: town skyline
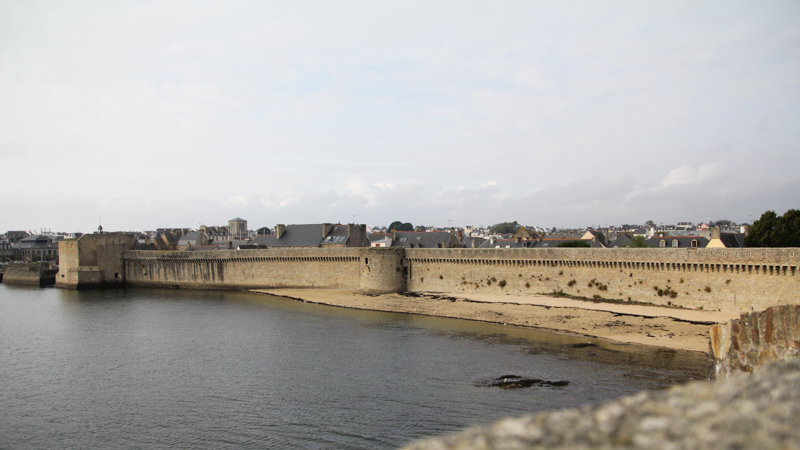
(146, 114)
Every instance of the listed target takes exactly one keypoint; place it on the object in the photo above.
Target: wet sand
(650, 325)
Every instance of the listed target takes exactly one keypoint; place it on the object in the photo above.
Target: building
(13, 237)
(315, 235)
(425, 239)
(237, 228)
(725, 240)
(39, 247)
(677, 242)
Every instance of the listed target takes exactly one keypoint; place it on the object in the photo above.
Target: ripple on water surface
(201, 369)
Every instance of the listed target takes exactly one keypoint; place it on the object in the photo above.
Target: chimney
(279, 230)
(715, 233)
(394, 235)
(326, 228)
(746, 230)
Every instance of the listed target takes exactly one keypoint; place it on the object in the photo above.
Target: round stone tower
(383, 270)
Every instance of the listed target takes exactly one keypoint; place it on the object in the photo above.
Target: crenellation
(716, 279)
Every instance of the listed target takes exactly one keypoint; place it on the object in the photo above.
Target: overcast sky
(176, 114)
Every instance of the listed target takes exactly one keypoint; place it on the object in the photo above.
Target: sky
(141, 115)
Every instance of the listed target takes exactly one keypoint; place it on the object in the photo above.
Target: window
(662, 243)
(674, 242)
(403, 239)
(694, 243)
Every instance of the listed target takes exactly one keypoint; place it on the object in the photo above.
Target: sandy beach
(650, 325)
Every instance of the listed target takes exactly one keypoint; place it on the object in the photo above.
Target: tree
(400, 226)
(420, 228)
(638, 242)
(504, 228)
(574, 244)
(649, 224)
(774, 231)
(723, 223)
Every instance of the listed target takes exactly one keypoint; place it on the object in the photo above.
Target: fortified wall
(710, 279)
(37, 274)
(363, 269)
(93, 260)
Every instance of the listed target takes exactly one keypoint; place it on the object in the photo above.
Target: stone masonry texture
(733, 280)
(756, 339)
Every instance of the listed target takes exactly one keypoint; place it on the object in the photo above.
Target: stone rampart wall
(93, 260)
(37, 274)
(756, 339)
(709, 279)
(245, 269)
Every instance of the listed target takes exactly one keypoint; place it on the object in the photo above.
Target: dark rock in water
(584, 345)
(517, 382)
(759, 410)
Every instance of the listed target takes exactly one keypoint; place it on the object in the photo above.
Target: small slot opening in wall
(116, 275)
(366, 260)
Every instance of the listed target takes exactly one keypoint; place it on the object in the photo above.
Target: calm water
(194, 369)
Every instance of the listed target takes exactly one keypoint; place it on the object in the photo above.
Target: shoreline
(673, 328)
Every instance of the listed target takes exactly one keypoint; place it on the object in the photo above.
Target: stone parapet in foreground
(761, 410)
(755, 339)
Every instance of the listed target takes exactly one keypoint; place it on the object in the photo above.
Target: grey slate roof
(306, 235)
(189, 238)
(509, 243)
(621, 241)
(37, 242)
(472, 241)
(683, 241)
(415, 239)
(336, 235)
(732, 240)
(375, 237)
(553, 243)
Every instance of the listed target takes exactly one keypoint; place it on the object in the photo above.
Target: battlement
(711, 279)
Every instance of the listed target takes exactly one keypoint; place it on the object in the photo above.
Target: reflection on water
(209, 369)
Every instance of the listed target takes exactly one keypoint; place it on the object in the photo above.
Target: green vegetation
(638, 242)
(400, 226)
(574, 244)
(668, 292)
(772, 230)
(504, 227)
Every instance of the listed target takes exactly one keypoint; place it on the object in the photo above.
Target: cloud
(547, 112)
(687, 174)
